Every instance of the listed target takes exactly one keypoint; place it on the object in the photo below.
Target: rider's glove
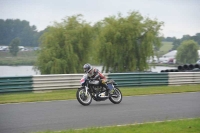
(103, 81)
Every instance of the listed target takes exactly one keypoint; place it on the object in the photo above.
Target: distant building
(21, 48)
(167, 57)
(171, 56)
(6, 48)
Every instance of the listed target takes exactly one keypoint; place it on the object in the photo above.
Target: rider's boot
(107, 91)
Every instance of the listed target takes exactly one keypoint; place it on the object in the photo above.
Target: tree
(94, 50)
(128, 42)
(169, 39)
(14, 49)
(12, 28)
(65, 47)
(187, 52)
(177, 42)
(196, 38)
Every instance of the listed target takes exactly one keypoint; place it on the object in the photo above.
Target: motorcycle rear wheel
(116, 96)
(84, 99)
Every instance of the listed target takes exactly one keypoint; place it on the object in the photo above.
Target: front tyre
(83, 98)
(116, 96)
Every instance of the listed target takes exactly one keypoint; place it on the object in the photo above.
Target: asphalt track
(62, 115)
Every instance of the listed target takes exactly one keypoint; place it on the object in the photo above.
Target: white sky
(181, 17)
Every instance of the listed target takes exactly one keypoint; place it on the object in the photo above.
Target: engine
(97, 89)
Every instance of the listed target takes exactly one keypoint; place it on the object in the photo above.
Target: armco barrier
(56, 81)
(178, 78)
(40, 82)
(65, 81)
(14, 84)
(139, 79)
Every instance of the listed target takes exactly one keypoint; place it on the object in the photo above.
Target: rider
(95, 74)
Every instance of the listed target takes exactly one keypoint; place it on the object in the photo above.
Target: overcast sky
(181, 17)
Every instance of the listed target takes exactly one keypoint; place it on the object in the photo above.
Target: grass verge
(165, 47)
(175, 126)
(71, 93)
(22, 58)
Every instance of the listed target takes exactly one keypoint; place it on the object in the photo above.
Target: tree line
(15, 28)
(187, 48)
(176, 42)
(29, 36)
(118, 43)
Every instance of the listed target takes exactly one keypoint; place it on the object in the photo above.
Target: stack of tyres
(170, 70)
(189, 68)
(185, 68)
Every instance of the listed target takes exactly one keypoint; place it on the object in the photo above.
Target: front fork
(86, 90)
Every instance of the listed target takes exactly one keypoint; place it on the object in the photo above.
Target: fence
(139, 79)
(66, 81)
(184, 78)
(58, 81)
(13, 84)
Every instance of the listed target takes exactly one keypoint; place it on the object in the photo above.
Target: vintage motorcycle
(91, 89)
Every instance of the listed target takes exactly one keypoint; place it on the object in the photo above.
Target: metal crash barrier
(72, 81)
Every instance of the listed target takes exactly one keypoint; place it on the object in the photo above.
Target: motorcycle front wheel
(116, 96)
(83, 98)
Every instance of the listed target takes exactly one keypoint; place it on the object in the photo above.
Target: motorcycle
(92, 89)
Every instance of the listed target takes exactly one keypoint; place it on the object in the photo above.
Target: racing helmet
(87, 68)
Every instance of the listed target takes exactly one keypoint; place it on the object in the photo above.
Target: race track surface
(62, 115)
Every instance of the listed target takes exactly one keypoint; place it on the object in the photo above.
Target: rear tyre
(83, 98)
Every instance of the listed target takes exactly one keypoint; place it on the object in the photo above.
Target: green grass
(71, 93)
(22, 58)
(38, 96)
(166, 46)
(160, 90)
(175, 126)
